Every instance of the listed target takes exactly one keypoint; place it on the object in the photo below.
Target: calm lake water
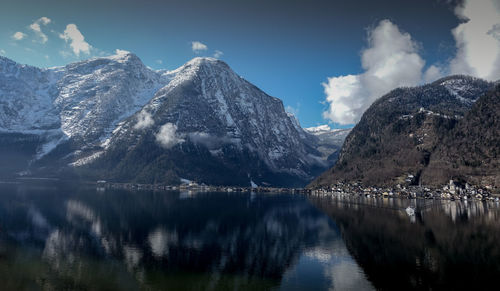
(78, 238)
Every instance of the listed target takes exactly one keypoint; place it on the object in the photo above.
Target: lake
(71, 237)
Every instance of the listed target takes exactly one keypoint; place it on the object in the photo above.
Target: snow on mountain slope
(86, 109)
(325, 128)
(96, 94)
(82, 101)
(27, 95)
(462, 87)
(212, 106)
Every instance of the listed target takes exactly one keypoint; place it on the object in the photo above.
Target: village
(452, 191)
(195, 187)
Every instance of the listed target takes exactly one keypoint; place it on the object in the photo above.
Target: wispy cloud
(198, 47)
(121, 52)
(37, 28)
(218, 54)
(76, 40)
(2, 52)
(18, 35)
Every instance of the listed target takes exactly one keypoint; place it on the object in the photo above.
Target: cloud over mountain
(392, 60)
(198, 47)
(76, 40)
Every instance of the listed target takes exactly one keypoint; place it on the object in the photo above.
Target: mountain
(329, 142)
(471, 151)
(399, 133)
(208, 124)
(115, 118)
(81, 100)
(66, 109)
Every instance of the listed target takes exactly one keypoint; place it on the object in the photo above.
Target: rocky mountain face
(471, 151)
(400, 133)
(114, 118)
(209, 124)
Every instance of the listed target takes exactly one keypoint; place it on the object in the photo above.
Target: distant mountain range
(449, 129)
(114, 118)
(330, 141)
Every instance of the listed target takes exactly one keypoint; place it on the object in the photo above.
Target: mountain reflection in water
(447, 245)
(75, 238)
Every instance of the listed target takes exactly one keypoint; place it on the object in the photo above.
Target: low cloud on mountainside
(392, 60)
(144, 120)
(167, 136)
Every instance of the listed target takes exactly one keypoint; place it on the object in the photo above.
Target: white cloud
(167, 136)
(44, 20)
(36, 27)
(2, 52)
(433, 73)
(76, 39)
(390, 61)
(121, 52)
(478, 40)
(197, 47)
(159, 62)
(218, 54)
(18, 35)
(144, 120)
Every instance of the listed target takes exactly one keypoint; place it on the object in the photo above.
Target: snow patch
(87, 160)
(319, 128)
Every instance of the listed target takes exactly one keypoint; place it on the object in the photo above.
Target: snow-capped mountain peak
(318, 129)
(202, 108)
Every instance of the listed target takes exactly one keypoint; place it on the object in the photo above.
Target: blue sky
(287, 48)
